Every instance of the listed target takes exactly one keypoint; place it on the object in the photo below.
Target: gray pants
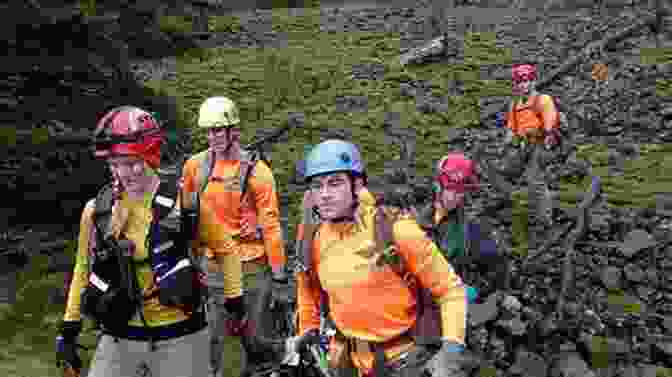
(255, 284)
(438, 366)
(186, 356)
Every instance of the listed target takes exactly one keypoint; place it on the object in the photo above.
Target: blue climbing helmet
(333, 156)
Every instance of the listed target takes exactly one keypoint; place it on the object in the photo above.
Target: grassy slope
(307, 76)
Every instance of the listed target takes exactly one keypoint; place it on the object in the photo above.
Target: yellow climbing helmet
(218, 112)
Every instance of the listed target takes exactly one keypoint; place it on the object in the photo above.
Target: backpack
(115, 286)
(246, 167)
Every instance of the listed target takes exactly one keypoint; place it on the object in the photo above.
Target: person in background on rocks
(460, 241)
(259, 248)
(370, 305)
(144, 326)
(532, 121)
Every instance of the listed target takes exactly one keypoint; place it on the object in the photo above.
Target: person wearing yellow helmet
(236, 226)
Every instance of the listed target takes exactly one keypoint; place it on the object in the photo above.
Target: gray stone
(479, 314)
(529, 364)
(611, 277)
(634, 273)
(665, 348)
(514, 326)
(647, 370)
(571, 365)
(636, 241)
(667, 323)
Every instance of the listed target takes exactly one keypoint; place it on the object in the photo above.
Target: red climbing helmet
(129, 131)
(523, 72)
(456, 172)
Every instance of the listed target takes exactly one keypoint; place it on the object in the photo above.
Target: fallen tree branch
(579, 232)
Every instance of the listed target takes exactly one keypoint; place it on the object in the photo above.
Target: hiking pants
(522, 160)
(256, 279)
(185, 356)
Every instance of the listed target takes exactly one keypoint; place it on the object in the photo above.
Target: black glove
(66, 345)
(236, 324)
(304, 341)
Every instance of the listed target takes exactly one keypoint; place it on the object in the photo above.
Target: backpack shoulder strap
(165, 198)
(102, 214)
(310, 228)
(205, 170)
(247, 165)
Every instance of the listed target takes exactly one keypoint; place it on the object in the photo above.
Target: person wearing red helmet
(133, 273)
(533, 120)
(461, 240)
(532, 116)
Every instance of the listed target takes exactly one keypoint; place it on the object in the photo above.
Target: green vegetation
(641, 180)
(88, 7)
(176, 24)
(307, 75)
(655, 55)
(28, 328)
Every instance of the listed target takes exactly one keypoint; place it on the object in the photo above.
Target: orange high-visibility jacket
(538, 114)
(221, 214)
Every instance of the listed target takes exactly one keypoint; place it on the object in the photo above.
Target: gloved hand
(236, 324)
(552, 137)
(472, 294)
(66, 345)
(301, 343)
(500, 120)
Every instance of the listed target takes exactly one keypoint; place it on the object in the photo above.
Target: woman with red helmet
(153, 335)
(458, 239)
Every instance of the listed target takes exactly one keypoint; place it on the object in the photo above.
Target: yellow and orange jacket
(136, 228)
(222, 216)
(530, 119)
(372, 303)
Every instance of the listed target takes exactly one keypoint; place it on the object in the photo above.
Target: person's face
(219, 139)
(522, 87)
(133, 172)
(333, 195)
(450, 199)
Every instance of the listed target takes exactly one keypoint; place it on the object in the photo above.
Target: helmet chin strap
(229, 144)
(346, 218)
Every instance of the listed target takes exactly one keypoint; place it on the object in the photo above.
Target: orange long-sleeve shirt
(221, 210)
(539, 112)
(374, 303)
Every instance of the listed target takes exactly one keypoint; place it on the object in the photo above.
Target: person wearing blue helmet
(372, 303)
